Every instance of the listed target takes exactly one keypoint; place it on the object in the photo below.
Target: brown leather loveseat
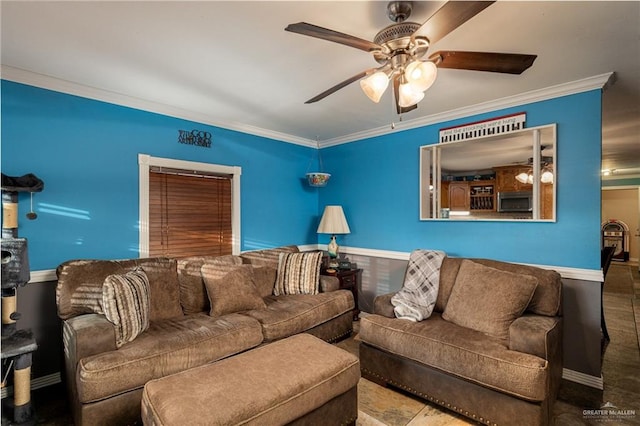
(468, 356)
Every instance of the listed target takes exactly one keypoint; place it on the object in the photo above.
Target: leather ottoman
(300, 380)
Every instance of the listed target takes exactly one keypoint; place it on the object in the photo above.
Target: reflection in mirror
(503, 177)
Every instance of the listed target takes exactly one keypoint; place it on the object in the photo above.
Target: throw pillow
(193, 294)
(488, 300)
(265, 279)
(546, 299)
(164, 291)
(298, 273)
(417, 297)
(125, 300)
(233, 291)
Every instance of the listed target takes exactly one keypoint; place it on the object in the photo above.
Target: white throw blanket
(417, 297)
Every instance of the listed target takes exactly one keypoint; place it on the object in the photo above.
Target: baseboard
(36, 383)
(583, 379)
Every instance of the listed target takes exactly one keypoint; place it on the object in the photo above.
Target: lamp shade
(522, 177)
(409, 95)
(421, 75)
(375, 85)
(333, 221)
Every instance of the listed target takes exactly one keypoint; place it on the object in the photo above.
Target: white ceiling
(233, 63)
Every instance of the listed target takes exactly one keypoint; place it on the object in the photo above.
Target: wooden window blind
(189, 213)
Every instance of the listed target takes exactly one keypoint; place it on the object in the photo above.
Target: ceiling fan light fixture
(375, 85)
(408, 95)
(522, 177)
(421, 74)
(546, 176)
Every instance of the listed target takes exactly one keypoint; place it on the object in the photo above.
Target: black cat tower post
(18, 345)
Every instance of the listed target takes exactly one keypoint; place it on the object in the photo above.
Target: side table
(350, 279)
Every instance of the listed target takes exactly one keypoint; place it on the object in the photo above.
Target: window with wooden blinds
(189, 213)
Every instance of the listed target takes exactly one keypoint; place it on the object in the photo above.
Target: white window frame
(145, 162)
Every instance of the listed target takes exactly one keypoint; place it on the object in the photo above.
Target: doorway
(623, 203)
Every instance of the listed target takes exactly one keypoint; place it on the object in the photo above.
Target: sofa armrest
(329, 283)
(382, 305)
(537, 335)
(87, 335)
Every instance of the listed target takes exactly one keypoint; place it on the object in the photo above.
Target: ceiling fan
(400, 47)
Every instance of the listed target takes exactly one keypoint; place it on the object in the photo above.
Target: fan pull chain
(393, 106)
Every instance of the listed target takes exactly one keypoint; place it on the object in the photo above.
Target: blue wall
(377, 182)
(86, 152)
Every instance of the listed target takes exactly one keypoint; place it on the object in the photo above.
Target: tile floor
(621, 374)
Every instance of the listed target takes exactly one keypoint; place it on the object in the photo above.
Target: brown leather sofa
(105, 382)
(512, 379)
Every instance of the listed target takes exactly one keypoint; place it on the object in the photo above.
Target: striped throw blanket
(417, 297)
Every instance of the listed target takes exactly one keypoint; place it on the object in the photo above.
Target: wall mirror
(510, 176)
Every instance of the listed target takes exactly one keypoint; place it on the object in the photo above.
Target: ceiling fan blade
(334, 36)
(449, 17)
(339, 86)
(396, 93)
(509, 63)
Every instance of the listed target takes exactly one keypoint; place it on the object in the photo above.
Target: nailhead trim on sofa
(430, 398)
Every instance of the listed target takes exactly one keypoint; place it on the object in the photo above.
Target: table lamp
(333, 222)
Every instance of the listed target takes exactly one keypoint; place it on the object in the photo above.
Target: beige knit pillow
(125, 301)
(298, 273)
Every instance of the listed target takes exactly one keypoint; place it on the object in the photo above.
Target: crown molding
(602, 81)
(18, 75)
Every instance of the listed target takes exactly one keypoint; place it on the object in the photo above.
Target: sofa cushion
(548, 295)
(193, 294)
(88, 299)
(448, 273)
(298, 273)
(164, 290)
(167, 347)
(234, 291)
(296, 313)
(487, 299)
(79, 288)
(126, 304)
(265, 279)
(80, 285)
(267, 257)
(460, 351)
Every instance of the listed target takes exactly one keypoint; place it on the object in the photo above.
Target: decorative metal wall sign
(195, 137)
(478, 129)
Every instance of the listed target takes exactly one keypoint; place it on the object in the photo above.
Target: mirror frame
(431, 173)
